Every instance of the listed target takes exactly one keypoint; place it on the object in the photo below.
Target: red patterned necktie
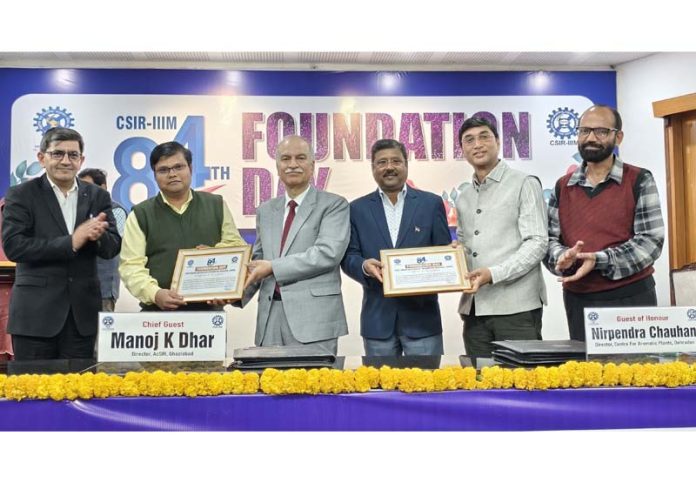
(288, 222)
(286, 228)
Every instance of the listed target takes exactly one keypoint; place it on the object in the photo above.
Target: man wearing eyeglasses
(54, 227)
(501, 221)
(394, 216)
(176, 218)
(605, 225)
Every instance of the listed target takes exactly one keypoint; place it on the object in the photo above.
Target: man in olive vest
(176, 218)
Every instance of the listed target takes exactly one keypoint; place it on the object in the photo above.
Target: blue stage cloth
(492, 410)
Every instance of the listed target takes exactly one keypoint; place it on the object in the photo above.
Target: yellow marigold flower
(294, 381)
(41, 390)
(56, 386)
(313, 381)
(678, 374)
(102, 385)
(486, 378)
(539, 378)
(642, 374)
(625, 374)
(610, 375)
(564, 376)
(388, 378)
(85, 386)
(197, 385)
(13, 389)
(129, 385)
(465, 377)
(371, 374)
(592, 374)
(179, 383)
(268, 381)
(520, 378)
(444, 379)
(363, 379)
(692, 368)
(554, 377)
(496, 377)
(3, 379)
(415, 380)
(347, 381)
(232, 382)
(214, 383)
(575, 373)
(251, 383)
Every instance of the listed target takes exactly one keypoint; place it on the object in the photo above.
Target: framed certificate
(211, 273)
(419, 271)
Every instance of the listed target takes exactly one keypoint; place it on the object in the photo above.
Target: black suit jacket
(51, 278)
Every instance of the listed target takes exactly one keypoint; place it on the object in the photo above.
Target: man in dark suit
(394, 216)
(54, 227)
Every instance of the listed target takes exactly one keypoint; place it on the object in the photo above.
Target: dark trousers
(575, 305)
(481, 330)
(68, 344)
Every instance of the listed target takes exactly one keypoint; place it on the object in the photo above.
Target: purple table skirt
(493, 410)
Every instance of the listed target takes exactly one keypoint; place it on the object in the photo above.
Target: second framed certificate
(211, 273)
(425, 270)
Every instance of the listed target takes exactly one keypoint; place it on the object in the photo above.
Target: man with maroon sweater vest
(605, 225)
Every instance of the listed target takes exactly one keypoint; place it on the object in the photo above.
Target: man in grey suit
(300, 240)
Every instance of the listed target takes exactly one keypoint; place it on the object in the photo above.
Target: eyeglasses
(599, 132)
(59, 155)
(173, 169)
(383, 163)
(484, 137)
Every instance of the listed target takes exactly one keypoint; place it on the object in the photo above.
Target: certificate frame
(394, 289)
(194, 256)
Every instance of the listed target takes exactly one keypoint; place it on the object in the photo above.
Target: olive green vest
(167, 231)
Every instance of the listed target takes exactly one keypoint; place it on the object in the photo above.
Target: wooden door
(680, 145)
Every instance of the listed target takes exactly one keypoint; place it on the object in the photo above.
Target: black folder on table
(281, 357)
(50, 366)
(526, 353)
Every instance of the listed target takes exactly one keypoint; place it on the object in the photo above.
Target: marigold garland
(331, 381)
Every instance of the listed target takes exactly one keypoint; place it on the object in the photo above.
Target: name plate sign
(161, 336)
(662, 333)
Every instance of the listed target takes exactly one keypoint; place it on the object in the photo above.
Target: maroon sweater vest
(601, 218)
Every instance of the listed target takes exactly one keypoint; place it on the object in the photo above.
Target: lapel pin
(417, 229)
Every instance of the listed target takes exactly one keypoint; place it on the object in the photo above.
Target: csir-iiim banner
(233, 136)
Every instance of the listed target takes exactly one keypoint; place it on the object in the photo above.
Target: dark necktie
(286, 228)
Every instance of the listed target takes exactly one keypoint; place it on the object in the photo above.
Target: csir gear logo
(563, 123)
(53, 117)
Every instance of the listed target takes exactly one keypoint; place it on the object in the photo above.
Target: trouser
(481, 330)
(278, 332)
(575, 305)
(67, 344)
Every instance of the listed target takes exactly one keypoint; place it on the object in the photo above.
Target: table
(491, 410)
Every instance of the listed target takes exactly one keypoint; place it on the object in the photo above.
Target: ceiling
(326, 60)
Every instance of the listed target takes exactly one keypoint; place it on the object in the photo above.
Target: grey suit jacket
(308, 270)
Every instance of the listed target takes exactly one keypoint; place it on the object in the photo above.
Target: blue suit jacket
(423, 224)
